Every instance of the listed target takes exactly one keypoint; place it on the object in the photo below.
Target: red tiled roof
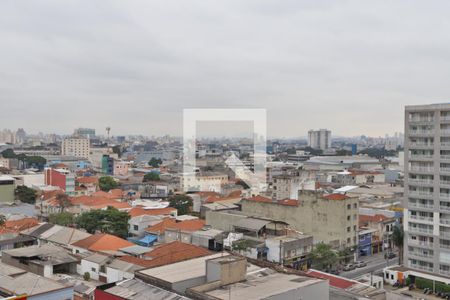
(87, 180)
(335, 197)
(216, 198)
(19, 225)
(139, 211)
(188, 225)
(375, 218)
(288, 202)
(161, 227)
(102, 242)
(168, 254)
(335, 281)
(98, 202)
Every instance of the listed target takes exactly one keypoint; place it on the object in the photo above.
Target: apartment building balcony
(445, 208)
(420, 182)
(422, 170)
(421, 194)
(445, 119)
(421, 230)
(444, 221)
(421, 255)
(423, 244)
(445, 144)
(444, 246)
(444, 272)
(421, 157)
(421, 219)
(421, 145)
(421, 132)
(421, 120)
(444, 234)
(445, 170)
(445, 196)
(445, 132)
(420, 205)
(444, 183)
(420, 267)
(445, 157)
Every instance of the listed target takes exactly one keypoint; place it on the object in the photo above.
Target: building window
(348, 218)
(355, 205)
(93, 269)
(348, 229)
(349, 206)
(135, 227)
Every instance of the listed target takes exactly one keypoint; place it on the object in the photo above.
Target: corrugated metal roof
(252, 223)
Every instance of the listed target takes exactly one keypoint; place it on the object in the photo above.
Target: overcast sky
(349, 66)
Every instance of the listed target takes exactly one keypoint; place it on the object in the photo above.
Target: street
(375, 264)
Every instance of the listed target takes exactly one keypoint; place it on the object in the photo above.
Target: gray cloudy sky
(349, 66)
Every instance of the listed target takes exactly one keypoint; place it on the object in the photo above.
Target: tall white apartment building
(75, 146)
(319, 139)
(427, 188)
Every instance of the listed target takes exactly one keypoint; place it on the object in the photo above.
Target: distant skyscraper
(85, 132)
(20, 136)
(319, 139)
(427, 188)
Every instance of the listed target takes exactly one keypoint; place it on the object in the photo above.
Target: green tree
(155, 162)
(8, 153)
(63, 201)
(63, 219)
(2, 220)
(397, 239)
(87, 276)
(25, 194)
(182, 203)
(117, 149)
(323, 257)
(110, 221)
(152, 176)
(107, 183)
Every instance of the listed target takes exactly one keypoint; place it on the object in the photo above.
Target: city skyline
(116, 66)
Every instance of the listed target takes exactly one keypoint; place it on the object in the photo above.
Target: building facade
(319, 139)
(427, 188)
(75, 146)
(332, 218)
(7, 186)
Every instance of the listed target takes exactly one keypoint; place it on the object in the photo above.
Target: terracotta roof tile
(19, 225)
(139, 211)
(335, 197)
(87, 180)
(103, 242)
(335, 281)
(168, 254)
(188, 225)
(161, 227)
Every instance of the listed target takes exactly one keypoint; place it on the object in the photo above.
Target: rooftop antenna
(108, 129)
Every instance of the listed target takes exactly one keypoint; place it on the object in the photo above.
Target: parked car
(389, 255)
(360, 264)
(349, 267)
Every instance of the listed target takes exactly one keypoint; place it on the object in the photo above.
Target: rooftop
(263, 284)
(103, 242)
(181, 271)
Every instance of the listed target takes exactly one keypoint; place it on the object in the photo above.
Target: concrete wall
(7, 192)
(216, 221)
(324, 219)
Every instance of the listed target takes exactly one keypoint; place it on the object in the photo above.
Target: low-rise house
(107, 268)
(330, 218)
(18, 282)
(291, 250)
(182, 231)
(158, 230)
(138, 225)
(9, 233)
(55, 234)
(218, 275)
(211, 239)
(383, 225)
(101, 242)
(44, 260)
